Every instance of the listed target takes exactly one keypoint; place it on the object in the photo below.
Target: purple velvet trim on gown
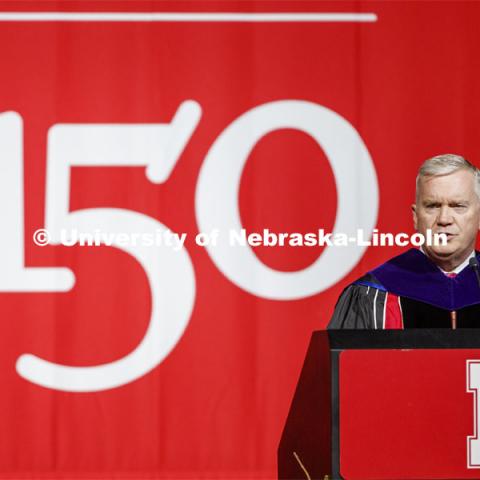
(413, 275)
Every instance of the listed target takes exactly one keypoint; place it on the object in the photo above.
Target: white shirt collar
(460, 267)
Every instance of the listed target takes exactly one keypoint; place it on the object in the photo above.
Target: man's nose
(444, 216)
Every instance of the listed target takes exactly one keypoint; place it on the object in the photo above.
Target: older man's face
(448, 204)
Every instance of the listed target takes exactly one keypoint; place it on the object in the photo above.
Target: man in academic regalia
(431, 287)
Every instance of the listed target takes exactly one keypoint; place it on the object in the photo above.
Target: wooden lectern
(386, 404)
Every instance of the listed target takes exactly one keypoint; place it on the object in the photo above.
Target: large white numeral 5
(170, 273)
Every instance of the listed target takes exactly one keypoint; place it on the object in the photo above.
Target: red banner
(133, 125)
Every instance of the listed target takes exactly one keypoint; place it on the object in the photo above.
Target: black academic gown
(427, 296)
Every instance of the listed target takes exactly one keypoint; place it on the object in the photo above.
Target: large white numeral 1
(473, 386)
(14, 276)
(170, 273)
(218, 185)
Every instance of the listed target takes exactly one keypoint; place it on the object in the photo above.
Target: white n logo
(473, 386)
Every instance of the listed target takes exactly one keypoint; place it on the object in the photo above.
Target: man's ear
(478, 206)
(414, 213)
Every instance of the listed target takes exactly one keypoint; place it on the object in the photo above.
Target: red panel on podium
(406, 414)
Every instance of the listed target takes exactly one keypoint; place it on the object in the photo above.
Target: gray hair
(446, 164)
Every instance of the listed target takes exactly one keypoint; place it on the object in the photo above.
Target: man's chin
(441, 252)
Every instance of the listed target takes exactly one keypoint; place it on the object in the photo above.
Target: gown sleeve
(359, 307)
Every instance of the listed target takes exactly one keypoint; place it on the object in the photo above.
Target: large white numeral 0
(219, 183)
(170, 274)
(473, 386)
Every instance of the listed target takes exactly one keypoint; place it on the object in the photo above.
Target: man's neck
(451, 265)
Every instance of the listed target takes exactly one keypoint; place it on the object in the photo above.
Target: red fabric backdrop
(215, 405)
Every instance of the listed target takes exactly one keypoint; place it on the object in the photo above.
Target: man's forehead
(456, 186)
(462, 197)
